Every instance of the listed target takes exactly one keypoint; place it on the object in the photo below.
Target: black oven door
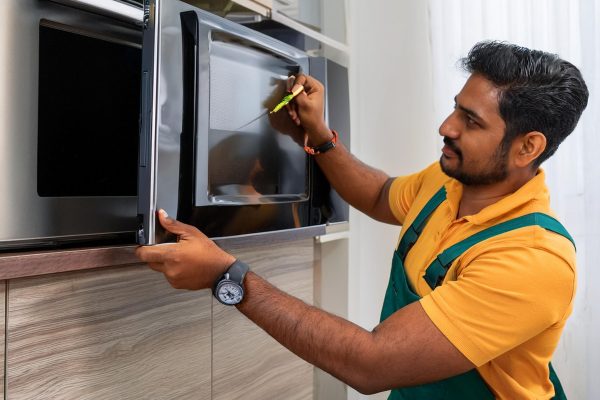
(209, 153)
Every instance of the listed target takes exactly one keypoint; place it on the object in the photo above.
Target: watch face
(229, 292)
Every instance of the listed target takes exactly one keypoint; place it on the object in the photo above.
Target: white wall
(395, 129)
(392, 128)
(574, 177)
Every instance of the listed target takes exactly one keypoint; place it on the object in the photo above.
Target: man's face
(473, 152)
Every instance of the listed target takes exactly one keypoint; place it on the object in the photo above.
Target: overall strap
(412, 233)
(437, 269)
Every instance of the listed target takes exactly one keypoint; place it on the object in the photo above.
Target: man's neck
(477, 197)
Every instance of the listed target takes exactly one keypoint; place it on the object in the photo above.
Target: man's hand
(308, 109)
(194, 262)
(282, 123)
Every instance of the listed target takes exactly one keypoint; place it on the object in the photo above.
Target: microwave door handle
(187, 160)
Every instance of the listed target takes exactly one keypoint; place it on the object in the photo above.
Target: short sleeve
(502, 298)
(403, 192)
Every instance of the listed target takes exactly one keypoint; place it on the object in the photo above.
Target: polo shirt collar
(535, 189)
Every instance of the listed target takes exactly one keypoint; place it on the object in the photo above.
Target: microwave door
(203, 78)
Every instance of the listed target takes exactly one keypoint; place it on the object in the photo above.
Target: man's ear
(528, 148)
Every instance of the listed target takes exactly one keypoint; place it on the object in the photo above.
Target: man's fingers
(160, 267)
(290, 83)
(154, 254)
(292, 113)
(309, 83)
(172, 225)
(300, 81)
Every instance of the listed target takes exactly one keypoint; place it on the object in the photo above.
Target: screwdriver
(285, 101)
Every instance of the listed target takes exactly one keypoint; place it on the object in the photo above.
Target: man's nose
(449, 128)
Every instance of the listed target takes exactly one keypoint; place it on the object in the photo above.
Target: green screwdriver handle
(286, 99)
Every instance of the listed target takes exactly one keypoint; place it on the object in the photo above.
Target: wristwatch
(229, 289)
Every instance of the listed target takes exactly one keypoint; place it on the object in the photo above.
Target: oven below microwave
(109, 115)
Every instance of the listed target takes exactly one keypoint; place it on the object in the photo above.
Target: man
(483, 278)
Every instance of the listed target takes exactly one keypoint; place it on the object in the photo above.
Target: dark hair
(538, 91)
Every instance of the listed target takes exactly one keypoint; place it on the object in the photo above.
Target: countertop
(31, 263)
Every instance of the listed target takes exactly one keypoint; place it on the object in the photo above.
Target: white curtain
(570, 28)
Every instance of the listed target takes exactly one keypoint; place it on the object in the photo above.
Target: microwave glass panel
(88, 111)
(249, 160)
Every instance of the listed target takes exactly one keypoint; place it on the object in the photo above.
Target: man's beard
(495, 171)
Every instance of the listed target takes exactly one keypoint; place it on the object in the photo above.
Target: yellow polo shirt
(505, 301)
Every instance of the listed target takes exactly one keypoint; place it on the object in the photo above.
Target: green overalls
(469, 385)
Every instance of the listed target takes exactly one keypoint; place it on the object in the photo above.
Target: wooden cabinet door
(247, 363)
(2, 327)
(116, 333)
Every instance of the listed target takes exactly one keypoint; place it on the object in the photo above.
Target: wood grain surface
(2, 337)
(247, 363)
(115, 333)
(17, 265)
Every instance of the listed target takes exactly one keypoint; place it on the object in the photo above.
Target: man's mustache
(453, 147)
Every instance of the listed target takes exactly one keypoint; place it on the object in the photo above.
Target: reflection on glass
(256, 163)
(259, 167)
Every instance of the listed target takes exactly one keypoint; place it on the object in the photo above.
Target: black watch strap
(229, 288)
(237, 271)
(322, 148)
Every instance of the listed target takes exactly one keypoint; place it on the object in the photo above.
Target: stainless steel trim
(208, 25)
(150, 87)
(89, 33)
(267, 238)
(223, 25)
(154, 12)
(35, 242)
(112, 8)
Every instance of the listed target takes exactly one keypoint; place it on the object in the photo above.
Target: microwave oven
(112, 110)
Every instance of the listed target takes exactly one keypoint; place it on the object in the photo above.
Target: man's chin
(497, 175)
(447, 167)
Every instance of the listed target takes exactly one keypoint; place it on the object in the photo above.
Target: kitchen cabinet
(320, 19)
(323, 21)
(331, 295)
(247, 363)
(116, 333)
(239, 8)
(262, 7)
(121, 332)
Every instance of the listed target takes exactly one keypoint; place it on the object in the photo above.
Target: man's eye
(471, 121)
